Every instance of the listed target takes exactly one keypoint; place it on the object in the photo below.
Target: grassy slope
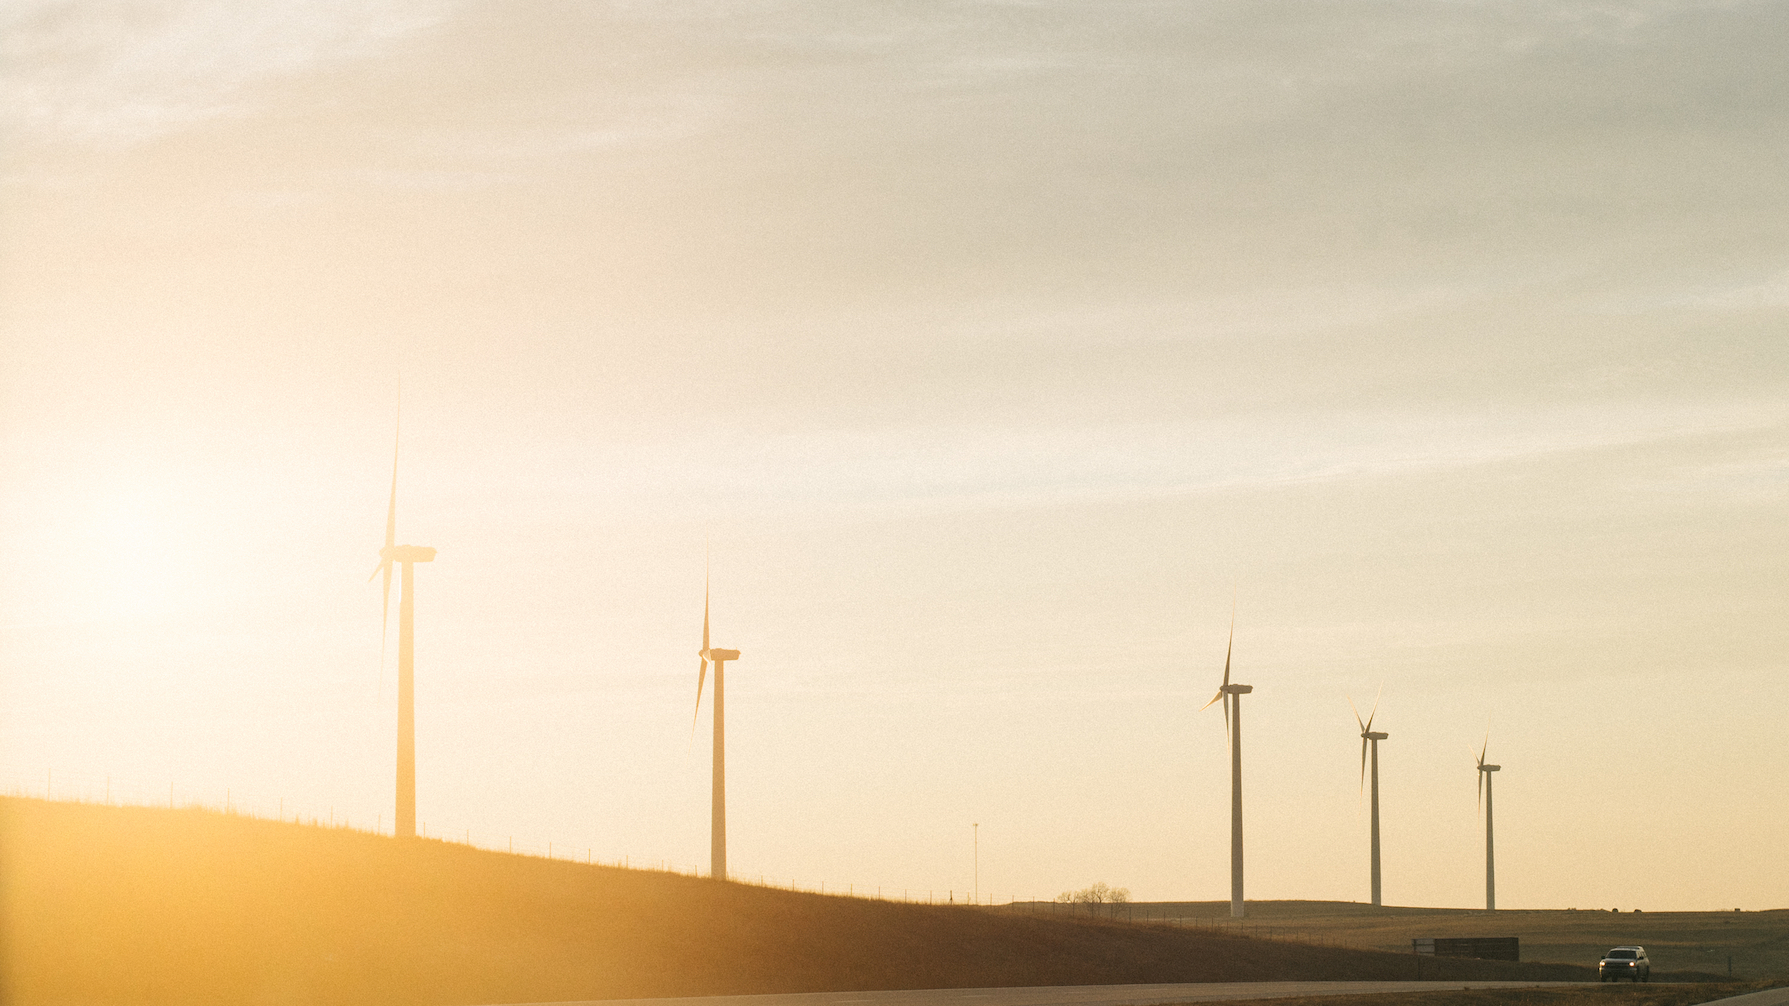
(126, 905)
(1676, 941)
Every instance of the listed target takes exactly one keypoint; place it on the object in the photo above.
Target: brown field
(1758, 942)
(1599, 995)
(107, 905)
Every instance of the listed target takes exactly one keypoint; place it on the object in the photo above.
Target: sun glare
(130, 560)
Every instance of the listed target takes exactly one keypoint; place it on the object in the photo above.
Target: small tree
(1100, 893)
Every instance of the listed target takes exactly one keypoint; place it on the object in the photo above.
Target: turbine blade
(702, 675)
(1372, 715)
(391, 510)
(701, 679)
(1357, 719)
(1481, 790)
(1363, 760)
(1225, 696)
(1228, 647)
(1221, 693)
(391, 535)
(384, 628)
(385, 616)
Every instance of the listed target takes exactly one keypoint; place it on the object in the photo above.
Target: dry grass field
(1758, 942)
(1599, 995)
(116, 905)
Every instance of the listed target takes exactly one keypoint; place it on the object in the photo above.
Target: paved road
(1768, 997)
(1077, 995)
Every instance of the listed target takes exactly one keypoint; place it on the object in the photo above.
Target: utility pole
(977, 827)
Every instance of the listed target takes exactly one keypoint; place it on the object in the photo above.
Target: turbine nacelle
(1367, 736)
(407, 553)
(1483, 774)
(1235, 689)
(719, 655)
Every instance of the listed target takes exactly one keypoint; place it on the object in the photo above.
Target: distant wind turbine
(1232, 699)
(1370, 739)
(1484, 795)
(717, 842)
(406, 556)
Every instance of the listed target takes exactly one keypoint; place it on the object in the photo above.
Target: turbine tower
(1232, 699)
(406, 556)
(1484, 794)
(717, 842)
(1369, 739)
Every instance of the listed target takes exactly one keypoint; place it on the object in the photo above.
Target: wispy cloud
(953, 467)
(115, 74)
(1773, 292)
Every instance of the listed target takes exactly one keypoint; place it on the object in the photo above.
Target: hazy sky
(994, 347)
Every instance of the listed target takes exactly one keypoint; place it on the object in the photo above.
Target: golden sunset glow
(987, 357)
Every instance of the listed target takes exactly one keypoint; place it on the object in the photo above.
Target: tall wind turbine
(406, 556)
(717, 842)
(1232, 699)
(1369, 739)
(1484, 795)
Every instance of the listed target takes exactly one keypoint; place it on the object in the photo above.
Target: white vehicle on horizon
(1624, 962)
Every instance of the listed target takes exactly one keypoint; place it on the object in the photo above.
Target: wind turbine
(1232, 698)
(1484, 796)
(406, 556)
(1369, 738)
(717, 842)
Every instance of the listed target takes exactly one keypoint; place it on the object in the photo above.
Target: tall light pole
(977, 887)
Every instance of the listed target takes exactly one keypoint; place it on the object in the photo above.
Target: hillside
(140, 905)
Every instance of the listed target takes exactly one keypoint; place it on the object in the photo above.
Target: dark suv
(1624, 962)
